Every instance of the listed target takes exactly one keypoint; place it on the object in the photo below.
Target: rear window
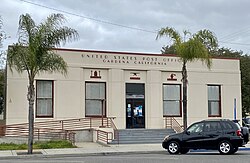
(238, 125)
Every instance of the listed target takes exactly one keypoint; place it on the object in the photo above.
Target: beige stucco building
(138, 90)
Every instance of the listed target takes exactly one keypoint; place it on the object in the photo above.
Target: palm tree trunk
(31, 99)
(184, 82)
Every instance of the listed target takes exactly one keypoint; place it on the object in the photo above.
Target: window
(172, 100)
(95, 99)
(214, 100)
(44, 98)
(196, 128)
(226, 125)
(212, 126)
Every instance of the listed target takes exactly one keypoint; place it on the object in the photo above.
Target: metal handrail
(116, 132)
(171, 122)
(103, 136)
(39, 133)
(68, 125)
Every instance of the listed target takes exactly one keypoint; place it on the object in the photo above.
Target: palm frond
(187, 34)
(17, 58)
(26, 29)
(54, 20)
(52, 62)
(207, 38)
(171, 33)
(61, 35)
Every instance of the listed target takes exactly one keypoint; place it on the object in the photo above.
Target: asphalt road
(210, 157)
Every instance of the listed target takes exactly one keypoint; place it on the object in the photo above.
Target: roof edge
(114, 52)
(131, 53)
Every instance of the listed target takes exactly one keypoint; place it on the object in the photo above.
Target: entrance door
(135, 106)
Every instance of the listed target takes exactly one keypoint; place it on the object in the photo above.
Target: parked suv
(223, 135)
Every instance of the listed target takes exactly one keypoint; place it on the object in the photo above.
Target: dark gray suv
(223, 135)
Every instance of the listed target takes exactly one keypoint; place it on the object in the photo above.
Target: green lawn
(38, 145)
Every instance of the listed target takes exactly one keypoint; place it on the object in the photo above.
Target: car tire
(184, 150)
(173, 147)
(225, 147)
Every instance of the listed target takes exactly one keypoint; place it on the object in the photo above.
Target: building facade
(138, 90)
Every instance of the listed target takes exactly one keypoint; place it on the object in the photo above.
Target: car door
(212, 133)
(193, 136)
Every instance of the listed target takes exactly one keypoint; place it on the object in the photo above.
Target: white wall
(115, 70)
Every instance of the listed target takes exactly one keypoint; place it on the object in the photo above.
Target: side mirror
(188, 132)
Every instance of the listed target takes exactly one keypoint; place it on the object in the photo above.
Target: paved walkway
(88, 149)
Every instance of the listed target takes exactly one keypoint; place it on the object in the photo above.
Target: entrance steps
(141, 136)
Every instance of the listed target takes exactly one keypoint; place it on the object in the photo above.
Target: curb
(42, 155)
(46, 155)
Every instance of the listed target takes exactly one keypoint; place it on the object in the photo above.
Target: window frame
(214, 115)
(105, 100)
(52, 107)
(180, 101)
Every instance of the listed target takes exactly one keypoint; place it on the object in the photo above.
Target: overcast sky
(131, 25)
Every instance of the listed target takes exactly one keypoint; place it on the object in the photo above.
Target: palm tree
(33, 54)
(190, 48)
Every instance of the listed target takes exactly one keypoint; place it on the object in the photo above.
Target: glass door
(135, 106)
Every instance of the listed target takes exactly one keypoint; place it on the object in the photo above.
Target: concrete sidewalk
(90, 149)
(87, 149)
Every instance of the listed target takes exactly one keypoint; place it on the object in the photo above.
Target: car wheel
(225, 147)
(173, 147)
(184, 150)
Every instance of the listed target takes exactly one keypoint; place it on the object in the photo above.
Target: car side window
(196, 128)
(212, 126)
(226, 125)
